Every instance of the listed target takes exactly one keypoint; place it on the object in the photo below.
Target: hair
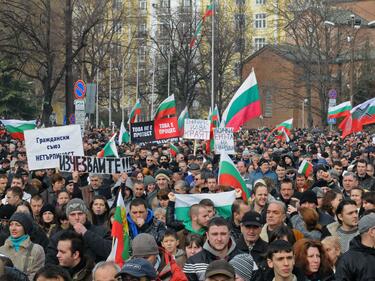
(259, 185)
(36, 184)
(52, 271)
(160, 210)
(207, 203)
(287, 181)
(363, 161)
(170, 232)
(182, 184)
(17, 191)
(369, 197)
(36, 197)
(336, 163)
(350, 174)
(110, 214)
(282, 231)
(358, 188)
(217, 221)
(76, 241)
(27, 205)
(192, 238)
(104, 264)
(106, 212)
(300, 250)
(311, 218)
(341, 206)
(236, 206)
(56, 177)
(281, 204)
(328, 197)
(19, 177)
(138, 182)
(163, 194)
(333, 240)
(278, 246)
(138, 202)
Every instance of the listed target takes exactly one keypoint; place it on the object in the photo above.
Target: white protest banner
(197, 129)
(224, 141)
(43, 146)
(95, 165)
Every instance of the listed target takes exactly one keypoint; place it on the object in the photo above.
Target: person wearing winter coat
(24, 254)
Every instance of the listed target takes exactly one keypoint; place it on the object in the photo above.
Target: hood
(232, 246)
(188, 227)
(356, 245)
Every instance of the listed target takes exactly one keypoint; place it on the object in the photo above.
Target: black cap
(194, 167)
(6, 211)
(251, 218)
(309, 196)
(262, 161)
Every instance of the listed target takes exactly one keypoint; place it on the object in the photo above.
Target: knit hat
(309, 196)
(162, 175)
(76, 204)
(144, 245)
(366, 222)
(25, 220)
(243, 266)
(148, 180)
(221, 267)
(48, 208)
(6, 211)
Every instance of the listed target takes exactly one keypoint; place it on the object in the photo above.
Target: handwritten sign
(224, 141)
(197, 129)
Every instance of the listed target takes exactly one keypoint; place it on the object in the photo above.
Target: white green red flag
(360, 115)
(166, 108)
(340, 110)
(124, 136)
(16, 127)
(198, 30)
(244, 106)
(109, 149)
(120, 232)
(181, 120)
(135, 112)
(230, 176)
(306, 168)
(173, 150)
(286, 125)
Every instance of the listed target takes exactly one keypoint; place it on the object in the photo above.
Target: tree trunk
(68, 60)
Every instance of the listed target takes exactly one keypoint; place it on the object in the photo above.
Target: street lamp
(303, 112)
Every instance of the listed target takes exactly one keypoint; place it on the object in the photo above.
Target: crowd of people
(56, 226)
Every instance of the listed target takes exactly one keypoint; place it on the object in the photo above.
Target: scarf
(16, 242)
(134, 228)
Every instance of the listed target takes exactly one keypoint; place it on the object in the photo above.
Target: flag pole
(97, 99)
(110, 94)
(122, 90)
(213, 55)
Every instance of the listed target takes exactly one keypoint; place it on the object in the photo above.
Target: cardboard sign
(44, 146)
(166, 128)
(142, 132)
(197, 129)
(94, 165)
(224, 141)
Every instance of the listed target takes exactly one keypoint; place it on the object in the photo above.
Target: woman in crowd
(312, 229)
(48, 219)
(99, 210)
(331, 200)
(283, 232)
(193, 244)
(311, 260)
(332, 249)
(63, 198)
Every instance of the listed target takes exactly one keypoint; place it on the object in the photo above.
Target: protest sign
(224, 142)
(197, 129)
(43, 146)
(142, 132)
(94, 165)
(166, 128)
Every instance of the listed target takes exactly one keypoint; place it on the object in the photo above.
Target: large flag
(135, 112)
(109, 149)
(16, 127)
(181, 120)
(245, 104)
(306, 168)
(166, 108)
(222, 201)
(209, 12)
(120, 233)
(123, 136)
(340, 110)
(360, 115)
(230, 176)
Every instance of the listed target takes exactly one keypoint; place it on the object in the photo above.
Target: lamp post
(303, 112)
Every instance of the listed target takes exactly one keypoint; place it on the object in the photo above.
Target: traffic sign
(79, 89)
(72, 119)
(332, 94)
(80, 105)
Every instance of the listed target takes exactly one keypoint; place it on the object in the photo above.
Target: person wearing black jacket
(97, 239)
(239, 208)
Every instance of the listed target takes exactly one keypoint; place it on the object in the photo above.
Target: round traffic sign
(79, 89)
(332, 94)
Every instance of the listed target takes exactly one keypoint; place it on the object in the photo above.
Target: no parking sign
(79, 89)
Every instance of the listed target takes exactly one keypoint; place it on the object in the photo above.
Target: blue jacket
(256, 175)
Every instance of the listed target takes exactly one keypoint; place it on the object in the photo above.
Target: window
(240, 21)
(260, 20)
(240, 45)
(260, 2)
(117, 4)
(164, 31)
(118, 27)
(142, 29)
(143, 5)
(240, 2)
(164, 3)
(142, 53)
(268, 103)
(259, 43)
(186, 3)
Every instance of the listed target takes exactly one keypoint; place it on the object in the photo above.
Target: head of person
(282, 232)
(332, 249)
(309, 199)
(193, 244)
(6, 212)
(181, 187)
(138, 189)
(331, 200)
(20, 224)
(58, 182)
(150, 183)
(160, 214)
(347, 214)
(239, 209)
(99, 205)
(14, 196)
(53, 272)
(370, 169)
(70, 249)
(105, 271)
(349, 181)
(199, 215)
(300, 181)
(212, 183)
(48, 214)
(311, 218)
(310, 257)
(63, 197)
(162, 180)
(95, 181)
(260, 193)
(264, 165)
(36, 204)
(275, 214)
(163, 198)
(18, 181)
(280, 171)
(281, 259)
(242, 168)
(3, 183)
(137, 269)
(209, 204)
(218, 234)
(251, 226)
(77, 212)
(170, 241)
(286, 189)
(369, 200)
(366, 228)
(356, 195)
(220, 270)
(361, 167)
(144, 246)
(243, 265)
(138, 210)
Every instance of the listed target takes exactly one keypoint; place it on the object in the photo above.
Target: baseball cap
(251, 218)
(138, 267)
(220, 267)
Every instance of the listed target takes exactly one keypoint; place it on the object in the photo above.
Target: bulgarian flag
(181, 120)
(209, 12)
(173, 150)
(306, 168)
(222, 201)
(135, 112)
(341, 110)
(16, 127)
(166, 108)
(123, 136)
(286, 125)
(120, 233)
(109, 149)
(244, 106)
(230, 176)
(360, 115)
